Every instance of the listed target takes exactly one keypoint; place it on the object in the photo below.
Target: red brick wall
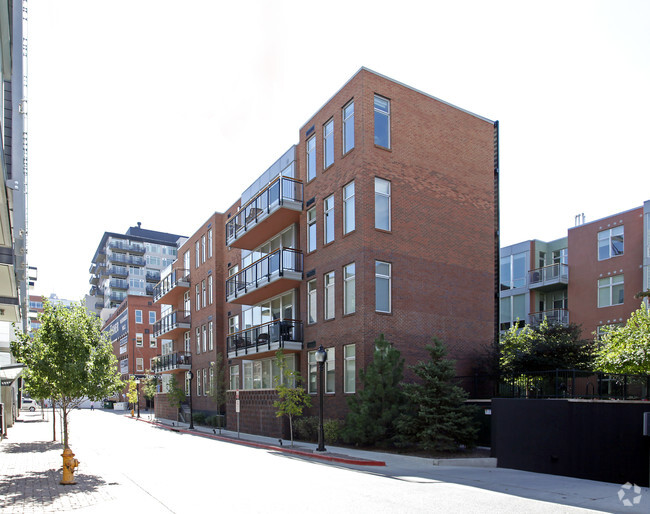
(585, 270)
(163, 410)
(257, 414)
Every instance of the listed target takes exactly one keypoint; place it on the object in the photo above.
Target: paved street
(128, 465)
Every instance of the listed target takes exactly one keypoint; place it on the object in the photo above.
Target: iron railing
(170, 282)
(557, 273)
(126, 247)
(261, 337)
(560, 316)
(264, 271)
(171, 361)
(170, 322)
(278, 191)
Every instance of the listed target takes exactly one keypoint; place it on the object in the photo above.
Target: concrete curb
(310, 455)
(481, 462)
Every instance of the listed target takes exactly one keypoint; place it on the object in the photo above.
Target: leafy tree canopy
(626, 349)
(68, 358)
(292, 397)
(547, 347)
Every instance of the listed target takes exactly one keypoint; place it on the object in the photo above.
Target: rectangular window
(349, 293)
(382, 204)
(348, 127)
(139, 364)
(205, 338)
(512, 311)
(234, 377)
(348, 208)
(199, 382)
(187, 336)
(210, 243)
(210, 291)
(311, 158)
(211, 378)
(203, 293)
(152, 317)
(139, 340)
(313, 373)
(152, 342)
(198, 296)
(233, 324)
(198, 340)
(186, 261)
(311, 302)
(198, 255)
(186, 303)
(382, 286)
(311, 230)
(138, 316)
(203, 252)
(610, 291)
(513, 271)
(187, 384)
(328, 210)
(330, 370)
(210, 336)
(349, 370)
(382, 122)
(328, 144)
(610, 243)
(205, 381)
(329, 295)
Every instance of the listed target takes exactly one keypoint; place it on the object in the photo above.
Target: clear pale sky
(164, 112)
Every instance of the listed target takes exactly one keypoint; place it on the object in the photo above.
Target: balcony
(171, 288)
(548, 277)
(149, 290)
(172, 325)
(275, 207)
(117, 271)
(119, 246)
(554, 316)
(171, 362)
(273, 274)
(94, 279)
(124, 259)
(268, 337)
(153, 276)
(118, 283)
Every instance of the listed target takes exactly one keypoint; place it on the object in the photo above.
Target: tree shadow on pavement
(42, 487)
(31, 447)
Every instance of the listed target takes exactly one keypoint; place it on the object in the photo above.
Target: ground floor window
(349, 370)
(265, 373)
(234, 377)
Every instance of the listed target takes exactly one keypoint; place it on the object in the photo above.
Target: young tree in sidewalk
(218, 392)
(437, 417)
(375, 408)
(292, 396)
(68, 359)
(175, 393)
(132, 393)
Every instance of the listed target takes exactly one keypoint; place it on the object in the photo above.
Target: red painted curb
(329, 458)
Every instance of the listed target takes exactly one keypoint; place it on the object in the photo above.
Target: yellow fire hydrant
(69, 463)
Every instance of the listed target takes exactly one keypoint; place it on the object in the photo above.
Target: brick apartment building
(130, 329)
(383, 218)
(590, 277)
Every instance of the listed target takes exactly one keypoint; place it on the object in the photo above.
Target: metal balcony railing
(279, 191)
(548, 275)
(265, 270)
(268, 336)
(172, 361)
(117, 271)
(174, 320)
(118, 283)
(126, 247)
(560, 316)
(153, 276)
(177, 277)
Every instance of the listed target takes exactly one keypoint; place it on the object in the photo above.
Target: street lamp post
(321, 357)
(190, 375)
(137, 394)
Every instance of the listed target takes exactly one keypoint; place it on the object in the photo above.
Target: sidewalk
(30, 471)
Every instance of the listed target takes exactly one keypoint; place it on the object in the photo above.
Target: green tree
(132, 391)
(68, 359)
(374, 409)
(292, 397)
(547, 347)
(437, 416)
(175, 393)
(626, 349)
(150, 387)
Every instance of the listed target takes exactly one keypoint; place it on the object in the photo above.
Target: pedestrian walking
(92, 405)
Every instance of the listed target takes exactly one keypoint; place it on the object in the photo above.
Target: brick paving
(30, 472)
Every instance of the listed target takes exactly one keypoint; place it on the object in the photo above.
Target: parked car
(28, 404)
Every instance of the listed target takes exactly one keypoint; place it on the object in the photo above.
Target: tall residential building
(382, 219)
(590, 277)
(129, 264)
(14, 280)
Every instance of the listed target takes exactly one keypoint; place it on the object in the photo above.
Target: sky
(163, 112)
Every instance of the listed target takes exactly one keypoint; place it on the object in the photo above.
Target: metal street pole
(190, 375)
(321, 357)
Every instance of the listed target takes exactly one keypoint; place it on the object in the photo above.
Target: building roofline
(363, 68)
(140, 239)
(609, 216)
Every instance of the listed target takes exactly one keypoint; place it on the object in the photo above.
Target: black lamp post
(321, 357)
(137, 394)
(190, 375)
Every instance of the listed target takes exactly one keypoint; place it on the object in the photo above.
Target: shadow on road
(39, 447)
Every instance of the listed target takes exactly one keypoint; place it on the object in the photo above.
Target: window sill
(383, 230)
(380, 313)
(348, 152)
(383, 148)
